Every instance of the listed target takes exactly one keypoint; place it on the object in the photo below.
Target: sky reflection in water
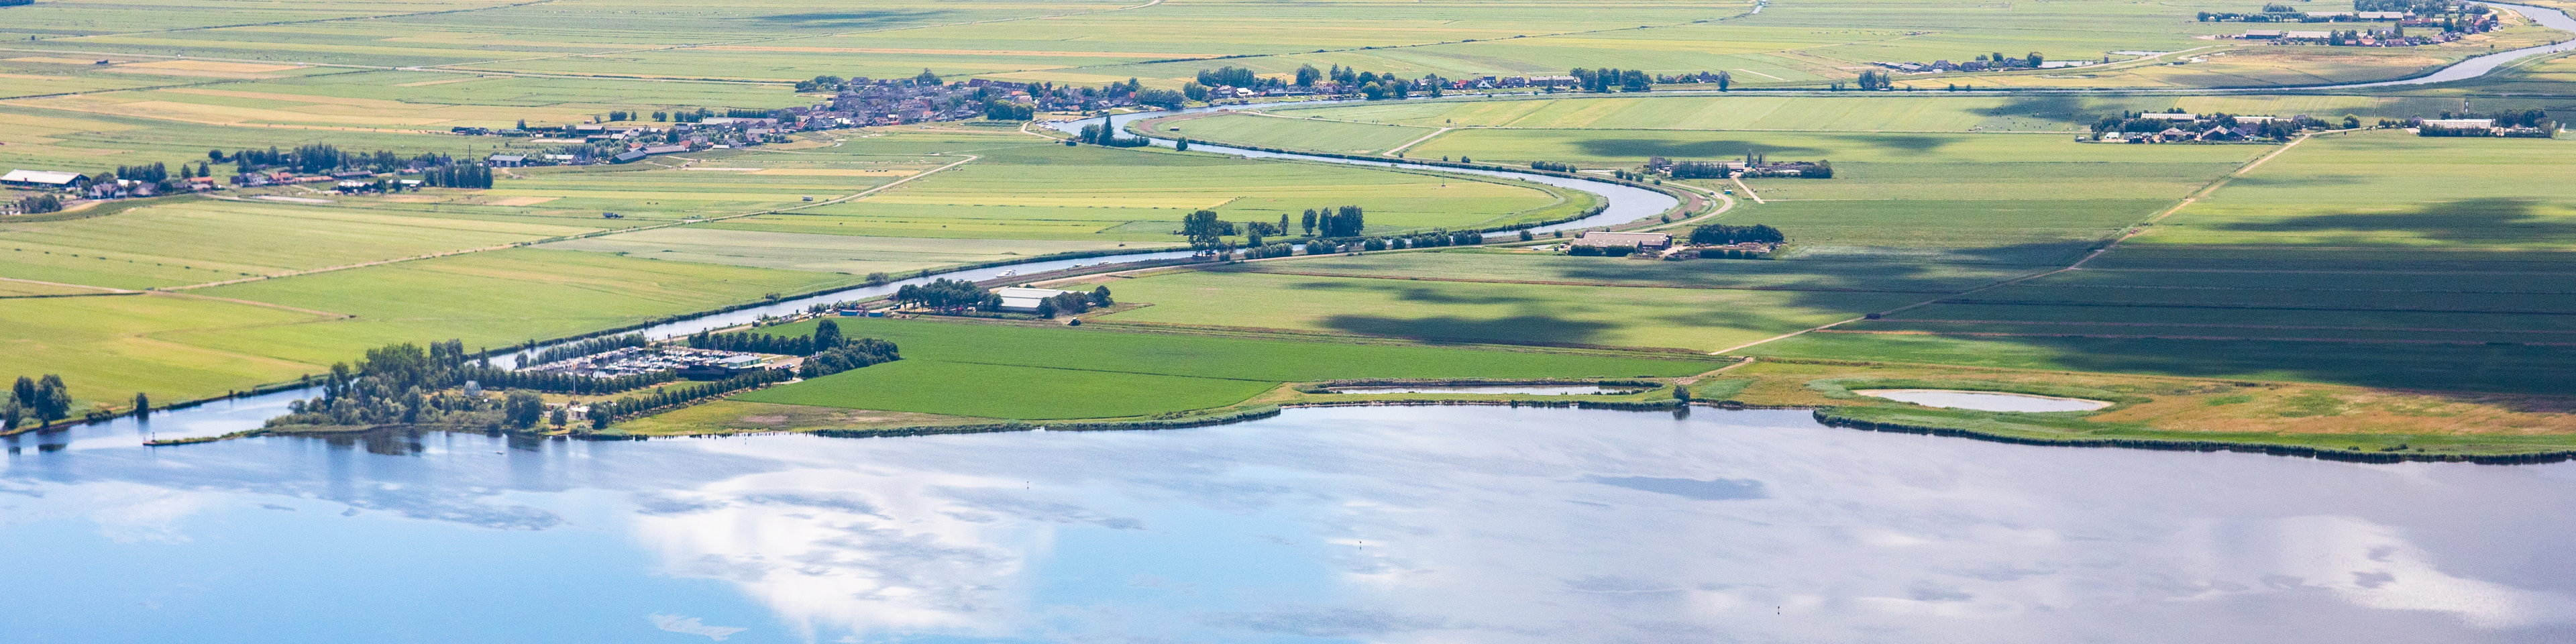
(1355, 524)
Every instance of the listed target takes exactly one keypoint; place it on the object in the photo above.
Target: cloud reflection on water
(1426, 525)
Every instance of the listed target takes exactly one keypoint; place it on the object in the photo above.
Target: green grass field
(494, 298)
(195, 241)
(2316, 266)
(1295, 133)
(109, 347)
(1022, 372)
(1507, 313)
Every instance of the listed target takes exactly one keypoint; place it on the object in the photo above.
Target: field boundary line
(1748, 190)
(271, 305)
(1398, 150)
(109, 289)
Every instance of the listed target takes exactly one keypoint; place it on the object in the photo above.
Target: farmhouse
(506, 160)
(1640, 241)
(1022, 299)
(44, 179)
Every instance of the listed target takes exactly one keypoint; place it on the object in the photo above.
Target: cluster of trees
(1601, 251)
(1553, 166)
(323, 157)
(1075, 303)
(2533, 118)
(946, 293)
(591, 346)
(1608, 79)
(1001, 110)
(400, 383)
(39, 204)
(602, 413)
(850, 355)
(1238, 77)
(473, 175)
(1701, 170)
(1097, 134)
(1205, 231)
(825, 83)
(1722, 234)
(44, 400)
(1871, 81)
(1345, 221)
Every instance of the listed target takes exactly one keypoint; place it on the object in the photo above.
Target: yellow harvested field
(58, 60)
(523, 201)
(444, 81)
(377, 103)
(197, 73)
(957, 52)
(215, 66)
(834, 172)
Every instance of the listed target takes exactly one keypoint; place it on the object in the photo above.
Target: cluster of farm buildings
(1661, 246)
(2430, 30)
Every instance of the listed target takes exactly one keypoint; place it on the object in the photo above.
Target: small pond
(1984, 400)
(1543, 390)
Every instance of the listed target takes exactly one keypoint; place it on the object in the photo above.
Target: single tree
(1204, 231)
(142, 406)
(561, 417)
(1100, 296)
(600, 416)
(827, 336)
(522, 408)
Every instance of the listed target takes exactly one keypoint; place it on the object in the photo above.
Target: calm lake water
(1453, 524)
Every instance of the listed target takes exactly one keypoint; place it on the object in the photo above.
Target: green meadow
(1702, 319)
(493, 298)
(2320, 265)
(107, 348)
(1050, 372)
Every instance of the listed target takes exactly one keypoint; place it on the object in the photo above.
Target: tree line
(1609, 79)
(603, 413)
(1097, 134)
(457, 176)
(593, 346)
(1722, 234)
(861, 353)
(947, 294)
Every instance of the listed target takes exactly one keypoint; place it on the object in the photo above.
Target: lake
(1361, 524)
